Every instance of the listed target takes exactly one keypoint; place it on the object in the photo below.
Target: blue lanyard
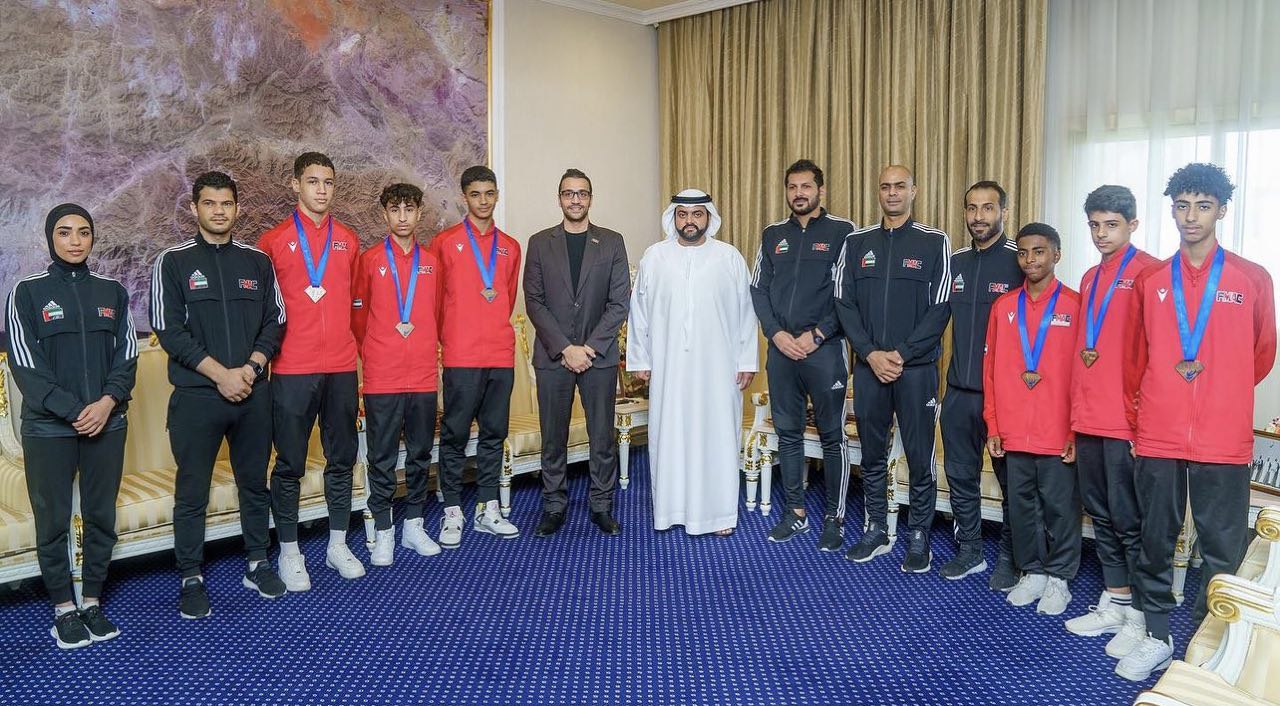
(1092, 324)
(1030, 354)
(315, 274)
(404, 302)
(1191, 339)
(486, 274)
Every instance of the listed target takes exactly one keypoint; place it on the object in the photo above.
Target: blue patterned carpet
(643, 618)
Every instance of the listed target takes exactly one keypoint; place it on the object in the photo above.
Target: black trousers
(198, 423)
(299, 400)
(823, 377)
(482, 395)
(1044, 509)
(598, 390)
(913, 398)
(1105, 470)
(964, 439)
(1220, 509)
(51, 465)
(387, 418)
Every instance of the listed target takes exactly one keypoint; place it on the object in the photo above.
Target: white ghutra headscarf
(690, 197)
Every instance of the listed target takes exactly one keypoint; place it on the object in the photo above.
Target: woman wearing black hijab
(73, 353)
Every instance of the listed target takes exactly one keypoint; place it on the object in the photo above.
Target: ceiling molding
(647, 17)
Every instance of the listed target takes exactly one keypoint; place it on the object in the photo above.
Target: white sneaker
(451, 527)
(340, 558)
(384, 548)
(1055, 599)
(489, 519)
(293, 571)
(1029, 589)
(1151, 655)
(1131, 634)
(1102, 619)
(417, 539)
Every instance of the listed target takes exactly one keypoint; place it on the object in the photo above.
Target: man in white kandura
(692, 335)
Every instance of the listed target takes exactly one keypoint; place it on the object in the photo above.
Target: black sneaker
(874, 542)
(194, 601)
(549, 524)
(832, 539)
(100, 628)
(968, 561)
(1005, 576)
(69, 630)
(789, 526)
(918, 558)
(264, 580)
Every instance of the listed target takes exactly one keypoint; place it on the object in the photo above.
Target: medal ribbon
(1192, 338)
(315, 274)
(486, 273)
(1031, 354)
(1092, 324)
(403, 301)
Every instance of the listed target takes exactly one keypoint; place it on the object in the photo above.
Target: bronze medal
(489, 294)
(1031, 378)
(405, 328)
(1189, 369)
(1089, 356)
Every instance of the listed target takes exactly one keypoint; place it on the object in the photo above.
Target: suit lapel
(589, 255)
(560, 247)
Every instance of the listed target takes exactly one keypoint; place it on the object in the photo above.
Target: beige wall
(574, 89)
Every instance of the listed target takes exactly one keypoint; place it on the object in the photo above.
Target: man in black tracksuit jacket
(791, 289)
(980, 274)
(73, 353)
(218, 314)
(892, 285)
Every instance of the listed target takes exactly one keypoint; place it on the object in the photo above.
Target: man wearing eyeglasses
(576, 288)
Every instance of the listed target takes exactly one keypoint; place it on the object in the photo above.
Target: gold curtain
(954, 89)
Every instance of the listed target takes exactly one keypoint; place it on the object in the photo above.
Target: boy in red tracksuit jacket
(1027, 380)
(1189, 380)
(1104, 465)
(396, 294)
(315, 374)
(479, 273)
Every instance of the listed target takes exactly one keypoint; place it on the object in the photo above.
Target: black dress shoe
(606, 523)
(550, 522)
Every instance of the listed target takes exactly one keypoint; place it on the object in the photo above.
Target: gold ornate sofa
(144, 508)
(1234, 658)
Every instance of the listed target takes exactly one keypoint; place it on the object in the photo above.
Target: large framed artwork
(118, 106)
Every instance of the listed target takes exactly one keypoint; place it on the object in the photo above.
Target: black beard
(697, 234)
(813, 206)
(993, 232)
(571, 219)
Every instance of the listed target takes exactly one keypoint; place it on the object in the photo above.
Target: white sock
(1122, 600)
(254, 564)
(197, 577)
(85, 603)
(59, 610)
(337, 537)
(289, 549)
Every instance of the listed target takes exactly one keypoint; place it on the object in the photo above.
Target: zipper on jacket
(84, 343)
(222, 287)
(973, 315)
(795, 281)
(888, 273)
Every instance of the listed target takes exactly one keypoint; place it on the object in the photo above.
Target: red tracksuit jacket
(1036, 421)
(318, 337)
(476, 333)
(1097, 399)
(394, 363)
(1210, 419)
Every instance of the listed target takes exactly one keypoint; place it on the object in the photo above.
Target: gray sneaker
(1005, 576)
(875, 541)
(967, 562)
(451, 527)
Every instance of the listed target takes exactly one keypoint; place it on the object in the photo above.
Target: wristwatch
(818, 338)
(257, 369)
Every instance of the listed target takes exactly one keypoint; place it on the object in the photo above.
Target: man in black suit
(577, 286)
